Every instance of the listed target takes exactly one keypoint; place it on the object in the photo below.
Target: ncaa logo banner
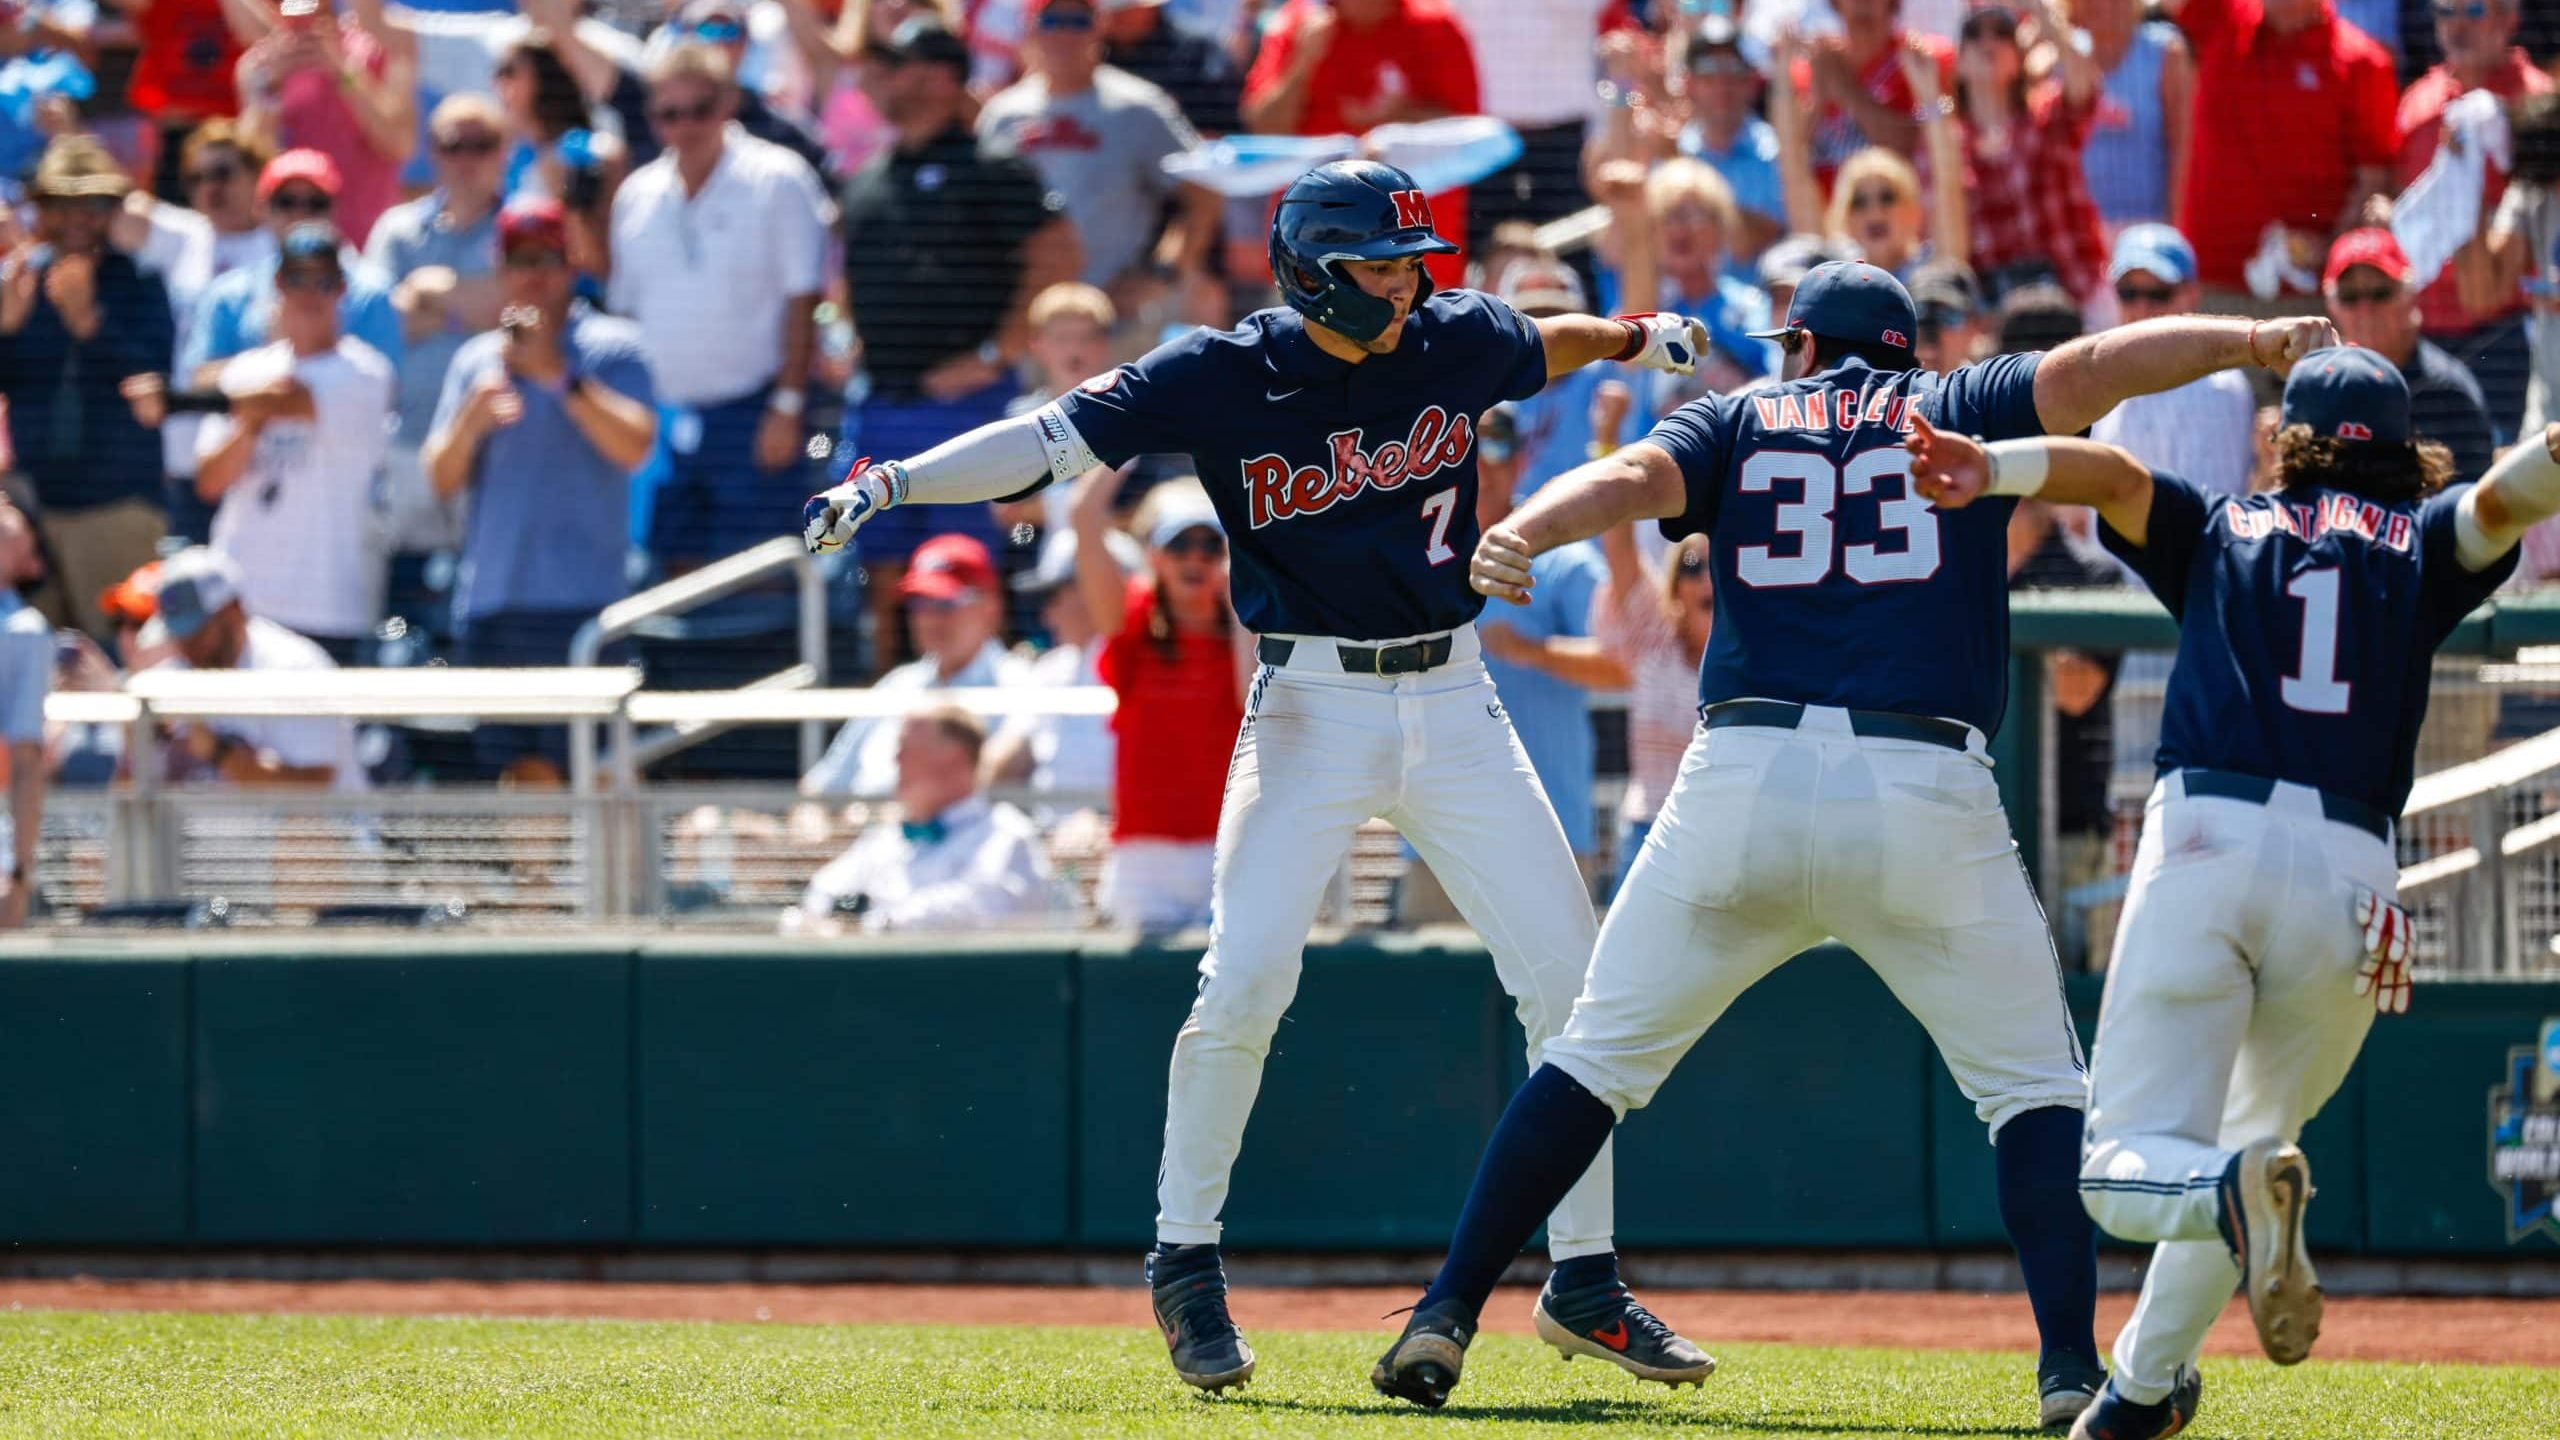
(2524, 1136)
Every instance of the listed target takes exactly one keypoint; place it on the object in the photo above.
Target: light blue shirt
(26, 669)
(410, 237)
(237, 311)
(1749, 166)
(27, 80)
(1552, 716)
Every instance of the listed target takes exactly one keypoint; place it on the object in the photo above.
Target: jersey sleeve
(2452, 590)
(1521, 369)
(1993, 399)
(2172, 535)
(1699, 437)
(1146, 407)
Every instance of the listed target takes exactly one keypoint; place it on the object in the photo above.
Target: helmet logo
(2354, 430)
(1412, 213)
(1897, 339)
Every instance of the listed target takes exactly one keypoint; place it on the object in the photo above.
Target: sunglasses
(1715, 64)
(719, 32)
(2473, 10)
(2144, 295)
(1196, 543)
(1066, 20)
(309, 281)
(1881, 199)
(536, 260)
(300, 202)
(2373, 295)
(214, 175)
(90, 205)
(693, 114)
(468, 145)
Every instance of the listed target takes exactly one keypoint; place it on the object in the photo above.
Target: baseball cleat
(1208, 1351)
(1605, 1322)
(2264, 1194)
(2064, 1389)
(2113, 1417)
(1424, 1363)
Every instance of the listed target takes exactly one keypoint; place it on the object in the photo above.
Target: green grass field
(66, 1374)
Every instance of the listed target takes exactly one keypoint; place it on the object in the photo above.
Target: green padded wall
(93, 1134)
(2427, 1081)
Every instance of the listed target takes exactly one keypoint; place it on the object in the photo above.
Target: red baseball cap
(135, 598)
(2371, 245)
(533, 222)
(948, 567)
(309, 166)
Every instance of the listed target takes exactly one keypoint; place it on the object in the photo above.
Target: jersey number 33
(1807, 521)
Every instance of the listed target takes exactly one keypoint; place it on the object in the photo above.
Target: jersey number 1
(2314, 685)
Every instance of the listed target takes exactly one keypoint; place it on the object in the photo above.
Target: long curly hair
(2381, 471)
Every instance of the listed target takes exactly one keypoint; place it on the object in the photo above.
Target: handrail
(2497, 771)
(747, 707)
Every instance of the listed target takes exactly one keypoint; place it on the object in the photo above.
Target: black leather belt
(1871, 724)
(1410, 658)
(2257, 789)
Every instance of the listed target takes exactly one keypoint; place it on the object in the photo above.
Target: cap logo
(1897, 339)
(2354, 430)
(1412, 212)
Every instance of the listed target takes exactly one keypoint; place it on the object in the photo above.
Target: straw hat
(75, 166)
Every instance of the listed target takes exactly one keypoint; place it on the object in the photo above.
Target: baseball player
(2260, 937)
(1337, 439)
(1838, 784)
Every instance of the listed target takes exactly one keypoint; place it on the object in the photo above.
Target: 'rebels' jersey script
(2308, 622)
(1348, 491)
(1836, 584)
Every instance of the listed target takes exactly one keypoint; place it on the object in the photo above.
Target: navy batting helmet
(1348, 210)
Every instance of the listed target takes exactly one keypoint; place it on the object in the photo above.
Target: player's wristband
(2017, 467)
(1635, 340)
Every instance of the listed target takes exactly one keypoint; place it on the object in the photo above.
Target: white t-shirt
(304, 741)
(863, 759)
(2203, 431)
(1068, 752)
(986, 869)
(2533, 212)
(705, 276)
(188, 254)
(300, 521)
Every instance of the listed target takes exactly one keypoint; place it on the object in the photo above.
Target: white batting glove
(1669, 342)
(2384, 971)
(828, 521)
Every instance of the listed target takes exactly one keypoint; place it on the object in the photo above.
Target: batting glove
(828, 521)
(2384, 971)
(1664, 342)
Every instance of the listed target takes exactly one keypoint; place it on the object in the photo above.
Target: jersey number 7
(1807, 519)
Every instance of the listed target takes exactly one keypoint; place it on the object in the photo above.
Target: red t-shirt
(1419, 52)
(182, 70)
(1836, 135)
(2440, 309)
(1176, 726)
(2282, 124)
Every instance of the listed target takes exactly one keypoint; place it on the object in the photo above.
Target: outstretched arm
(1955, 470)
(2085, 379)
(998, 461)
(2522, 489)
(1640, 482)
(1655, 342)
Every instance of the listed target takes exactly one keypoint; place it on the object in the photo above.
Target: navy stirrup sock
(1548, 1136)
(2057, 1243)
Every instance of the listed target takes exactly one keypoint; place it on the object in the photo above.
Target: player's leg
(1713, 903)
(1312, 762)
(1921, 878)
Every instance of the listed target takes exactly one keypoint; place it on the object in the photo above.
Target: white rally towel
(2440, 211)
(1439, 155)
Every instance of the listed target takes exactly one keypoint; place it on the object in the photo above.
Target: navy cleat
(2113, 1417)
(1605, 1322)
(1189, 1288)
(2064, 1388)
(2263, 1195)
(1423, 1365)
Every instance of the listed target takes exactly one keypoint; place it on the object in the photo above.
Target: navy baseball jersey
(1836, 583)
(1348, 491)
(2308, 624)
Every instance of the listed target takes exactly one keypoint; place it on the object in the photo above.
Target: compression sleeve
(2527, 479)
(1006, 460)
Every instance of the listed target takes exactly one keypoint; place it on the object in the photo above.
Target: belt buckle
(1398, 659)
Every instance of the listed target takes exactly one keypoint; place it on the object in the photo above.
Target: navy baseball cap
(1854, 301)
(2347, 392)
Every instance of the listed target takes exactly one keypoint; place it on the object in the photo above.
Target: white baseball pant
(2231, 1014)
(1773, 840)
(1322, 752)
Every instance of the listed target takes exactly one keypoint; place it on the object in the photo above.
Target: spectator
(237, 312)
(2523, 246)
(2037, 317)
(2367, 287)
(440, 252)
(1679, 242)
(85, 336)
(1948, 301)
(1875, 199)
(546, 82)
(1168, 52)
(1534, 67)
(1724, 130)
(44, 75)
(1856, 90)
(129, 605)
(945, 246)
(2043, 556)
(346, 86)
(1328, 67)
(1052, 753)
(1784, 264)
(2201, 430)
(26, 677)
(1654, 620)
(190, 249)
(201, 612)
(2143, 142)
(1550, 432)
(2028, 212)
(2485, 330)
(718, 251)
(722, 25)
(954, 861)
(184, 56)
(1173, 653)
(292, 465)
(955, 610)
(1098, 138)
(851, 121)
(2296, 107)
(541, 424)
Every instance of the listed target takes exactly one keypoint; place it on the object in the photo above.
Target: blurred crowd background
(336, 332)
